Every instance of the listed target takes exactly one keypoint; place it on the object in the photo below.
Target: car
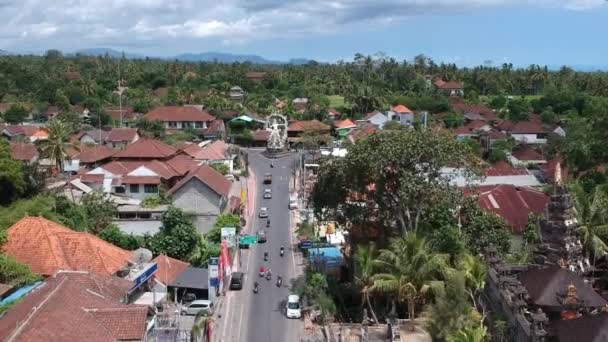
(263, 212)
(267, 193)
(197, 306)
(268, 178)
(261, 236)
(236, 280)
(293, 307)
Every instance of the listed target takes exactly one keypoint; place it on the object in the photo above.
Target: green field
(336, 101)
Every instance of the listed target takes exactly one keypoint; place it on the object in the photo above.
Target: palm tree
(56, 146)
(592, 214)
(200, 327)
(410, 269)
(364, 272)
(474, 274)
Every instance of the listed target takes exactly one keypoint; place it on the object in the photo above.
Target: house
(513, 203)
(255, 76)
(472, 129)
(146, 148)
(296, 128)
(246, 121)
(473, 112)
(213, 153)
(236, 94)
(76, 306)
(181, 117)
(299, 104)
(360, 133)
(119, 138)
(489, 138)
(90, 155)
(550, 167)
(342, 127)
(528, 132)
(375, 118)
(125, 115)
(215, 130)
(91, 137)
(498, 174)
(27, 153)
(524, 156)
(260, 137)
(401, 114)
(559, 131)
(48, 247)
(51, 112)
(29, 133)
(168, 269)
(203, 194)
(333, 114)
(450, 88)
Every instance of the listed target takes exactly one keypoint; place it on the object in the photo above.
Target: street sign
(248, 240)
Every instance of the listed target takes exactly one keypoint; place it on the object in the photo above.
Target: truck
(267, 178)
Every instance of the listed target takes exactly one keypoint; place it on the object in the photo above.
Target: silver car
(263, 212)
(267, 194)
(196, 306)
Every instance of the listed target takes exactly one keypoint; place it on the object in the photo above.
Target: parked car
(267, 193)
(293, 201)
(236, 280)
(293, 309)
(263, 212)
(197, 306)
(261, 236)
(267, 178)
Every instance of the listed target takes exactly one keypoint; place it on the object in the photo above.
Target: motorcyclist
(255, 287)
(282, 251)
(269, 274)
(279, 281)
(262, 271)
(265, 256)
(271, 165)
(268, 223)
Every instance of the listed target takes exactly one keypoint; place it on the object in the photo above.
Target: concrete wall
(199, 201)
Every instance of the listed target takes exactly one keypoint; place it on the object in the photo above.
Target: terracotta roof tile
(470, 128)
(147, 148)
(255, 75)
(503, 168)
(441, 84)
(122, 135)
(182, 164)
(24, 152)
(261, 135)
(75, 307)
(482, 110)
(47, 247)
(401, 109)
(217, 150)
(93, 154)
(527, 153)
(307, 125)
(208, 176)
(168, 268)
(361, 133)
(115, 113)
(514, 204)
(346, 123)
(549, 168)
(179, 113)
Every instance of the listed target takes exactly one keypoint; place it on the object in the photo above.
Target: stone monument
(276, 124)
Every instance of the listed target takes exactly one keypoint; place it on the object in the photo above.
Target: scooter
(267, 223)
(255, 287)
(265, 256)
(268, 276)
(279, 281)
(282, 252)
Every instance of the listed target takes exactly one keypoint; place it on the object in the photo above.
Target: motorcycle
(262, 272)
(282, 252)
(268, 275)
(265, 256)
(255, 287)
(279, 281)
(267, 223)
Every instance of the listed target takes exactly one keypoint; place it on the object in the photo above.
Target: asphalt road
(261, 317)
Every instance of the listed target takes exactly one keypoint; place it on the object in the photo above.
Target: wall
(529, 138)
(198, 200)
(138, 195)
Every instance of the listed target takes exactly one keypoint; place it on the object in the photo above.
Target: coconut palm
(475, 273)
(56, 146)
(364, 272)
(591, 211)
(410, 271)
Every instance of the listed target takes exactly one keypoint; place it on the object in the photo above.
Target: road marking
(227, 315)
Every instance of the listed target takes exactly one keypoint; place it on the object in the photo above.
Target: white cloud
(95, 22)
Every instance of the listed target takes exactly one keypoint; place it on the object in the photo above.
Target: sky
(465, 32)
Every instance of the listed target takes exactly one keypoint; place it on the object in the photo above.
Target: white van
(293, 201)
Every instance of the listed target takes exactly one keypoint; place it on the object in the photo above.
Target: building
(48, 247)
(91, 137)
(76, 306)
(260, 137)
(181, 117)
(119, 138)
(450, 88)
(333, 114)
(342, 127)
(204, 194)
(90, 156)
(146, 148)
(299, 104)
(296, 128)
(27, 153)
(527, 132)
(472, 129)
(514, 204)
(524, 156)
(236, 94)
(125, 115)
(498, 174)
(474, 111)
(255, 76)
(29, 133)
(401, 114)
(360, 133)
(376, 118)
(169, 269)
(216, 152)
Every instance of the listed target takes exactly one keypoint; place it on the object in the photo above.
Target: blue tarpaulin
(19, 293)
(330, 256)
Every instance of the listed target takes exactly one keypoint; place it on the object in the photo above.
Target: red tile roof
(182, 164)
(513, 204)
(332, 112)
(93, 154)
(346, 123)
(47, 247)
(147, 148)
(163, 169)
(23, 151)
(261, 135)
(179, 113)
(122, 135)
(255, 75)
(503, 168)
(361, 133)
(307, 125)
(75, 307)
(4, 288)
(441, 84)
(115, 113)
(531, 126)
(527, 153)
(217, 150)
(470, 128)
(401, 109)
(90, 179)
(496, 135)
(485, 112)
(208, 176)
(168, 268)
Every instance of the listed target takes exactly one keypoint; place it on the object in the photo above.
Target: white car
(263, 212)
(267, 193)
(196, 306)
(293, 306)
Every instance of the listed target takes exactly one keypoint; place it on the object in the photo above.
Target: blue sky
(467, 32)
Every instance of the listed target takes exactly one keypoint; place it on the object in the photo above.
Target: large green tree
(16, 114)
(12, 182)
(177, 237)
